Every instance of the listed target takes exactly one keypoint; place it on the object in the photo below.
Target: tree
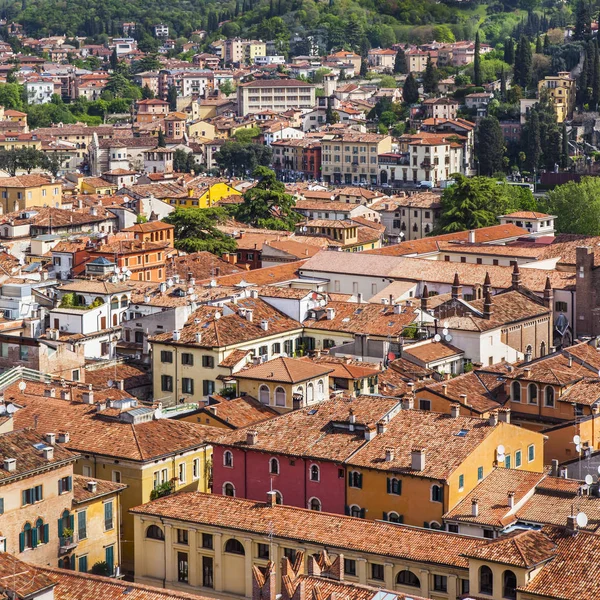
(534, 146)
(11, 96)
(172, 97)
(509, 51)
(196, 230)
(331, 116)
(576, 206)
(490, 146)
(150, 62)
(246, 136)
(267, 204)
(477, 62)
(387, 81)
(564, 155)
(523, 63)
(538, 45)
(364, 68)
(400, 65)
(147, 93)
(410, 91)
(53, 162)
(114, 59)
(503, 86)
(161, 139)
(183, 162)
(474, 202)
(583, 21)
(227, 88)
(237, 159)
(430, 80)
(100, 568)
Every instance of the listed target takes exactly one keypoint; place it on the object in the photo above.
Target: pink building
(300, 455)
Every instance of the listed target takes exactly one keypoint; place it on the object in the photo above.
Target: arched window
(123, 301)
(320, 390)
(154, 532)
(395, 486)
(26, 537)
(42, 531)
(114, 302)
(532, 392)
(486, 580)
(435, 525)
(279, 396)
(234, 546)
(227, 459)
(516, 391)
(509, 585)
(394, 517)
(315, 473)
(228, 489)
(529, 350)
(437, 493)
(543, 349)
(264, 394)
(274, 466)
(278, 497)
(355, 511)
(314, 504)
(407, 577)
(310, 393)
(549, 396)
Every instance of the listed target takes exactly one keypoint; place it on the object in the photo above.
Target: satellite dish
(11, 409)
(448, 338)
(158, 413)
(437, 337)
(446, 324)
(589, 479)
(2, 409)
(128, 273)
(109, 383)
(581, 519)
(22, 386)
(578, 447)
(576, 439)
(117, 270)
(500, 449)
(445, 331)
(500, 457)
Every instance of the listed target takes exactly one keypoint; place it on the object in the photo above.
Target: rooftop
(284, 370)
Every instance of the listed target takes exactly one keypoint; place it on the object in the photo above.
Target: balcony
(426, 164)
(67, 544)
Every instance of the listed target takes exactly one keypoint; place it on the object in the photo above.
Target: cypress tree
(564, 155)
(583, 21)
(430, 78)
(509, 51)
(490, 146)
(523, 62)
(596, 80)
(161, 139)
(477, 79)
(114, 60)
(400, 65)
(534, 146)
(364, 69)
(538, 45)
(546, 44)
(410, 91)
(503, 85)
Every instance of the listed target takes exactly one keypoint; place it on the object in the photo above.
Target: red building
(297, 159)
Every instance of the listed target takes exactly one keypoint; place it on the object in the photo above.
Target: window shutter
(362, 513)
(34, 537)
(346, 510)
(399, 487)
(46, 533)
(350, 478)
(73, 562)
(60, 487)
(71, 522)
(38, 493)
(385, 515)
(70, 483)
(389, 486)
(359, 480)
(24, 497)
(1, 506)
(21, 541)
(60, 528)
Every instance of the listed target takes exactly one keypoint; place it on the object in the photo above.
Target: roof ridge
(137, 442)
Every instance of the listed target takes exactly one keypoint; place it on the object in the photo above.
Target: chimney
(516, 277)
(493, 420)
(425, 299)
(391, 299)
(10, 464)
(570, 361)
(271, 498)
(463, 399)
(381, 427)
(51, 438)
(456, 287)
(572, 523)
(511, 499)
(408, 402)
(120, 384)
(198, 336)
(417, 459)
(92, 486)
(475, 507)
(264, 324)
(88, 397)
(471, 236)
(330, 314)
(351, 417)
(176, 335)
(65, 394)
(487, 305)
(360, 298)
(251, 437)
(548, 294)
(487, 283)
(504, 415)
(64, 437)
(370, 432)
(527, 372)
(397, 309)
(455, 411)
(249, 315)
(389, 454)
(554, 471)
(48, 452)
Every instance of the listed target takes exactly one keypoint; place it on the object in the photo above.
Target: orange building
(145, 260)
(151, 110)
(153, 231)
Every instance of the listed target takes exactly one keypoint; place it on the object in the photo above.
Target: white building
(40, 91)
(538, 224)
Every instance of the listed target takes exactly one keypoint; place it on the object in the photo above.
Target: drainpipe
(164, 553)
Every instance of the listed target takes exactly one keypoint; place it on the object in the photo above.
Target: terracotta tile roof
(22, 578)
(585, 353)
(586, 392)
(432, 351)
(325, 429)
(333, 531)
(20, 445)
(321, 587)
(264, 276)
(240, 412)
(234, 358)
(70, 247)
(492, 498)
(82, 493)
(527, 214)
(565, 246)
(553, 369)
(346, 368)
(218, 329)
(284, 370)
(119, 246)
(59, 217)
(295, 248)
(96, 287)
(202, 265)
(371, 319)
(133, 376)
(148, 227)
(325, 205)
(524, 549)
(25, 181)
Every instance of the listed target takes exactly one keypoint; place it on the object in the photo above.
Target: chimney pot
(455, 411)
(51, 438)
(475, 507)
(511, 499)
(64, 437)
(417, 459)
(271, 498)
(48, 452)
(493, 420)
(10, 464)
(251, 437)
(389, 454)
(92, 486)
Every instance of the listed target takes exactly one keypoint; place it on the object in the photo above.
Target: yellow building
(421, 464)
(198, 360)
(205, 196)
(13, 141)
(23, 191)
(202, 129)
(255, 48)
(562, 89)
(119, 441)
(96, 185)
(347, 234)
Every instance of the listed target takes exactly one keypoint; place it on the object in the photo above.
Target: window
(437, 493)
(424, 404)
(532, 391)
(310, 393)
(377, 572)
(187, 358)
(507, 461)
(356, 511)
(355, 479)
(516, 391)
(393, 517)
(32, 495)
(196, 468)
(509, 585)
(182, 536)
(315, 473)
(464, 586)
(227, 459)
(486, 580)
(349, 567)
(108, 516)
(517, 459)
(263, 551)
(276, 348)
(440, 583)
(394, 486)
(560, 306)
(549, 396)
(234, 546)
(26, 538)
(531, 453)
(452, 527)
(87, 471)
(479, 473)
(166, 383)
(208, 362)
(166, 356)
(207, 541)
(65, 484)
(264, 394)
(23, 353)
(82, 566)
(314, 504)
(82, 524)
(187, 385)
(461, 483)
(279, 396)
(182, 474)
(408, 578)
(182, 567)
(154, 532)
(274, 466)
(228, 489)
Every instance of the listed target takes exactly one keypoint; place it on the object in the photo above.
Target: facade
(151, 110)
(562, 89)
(277, 95)
(297, 158)
(24, 191)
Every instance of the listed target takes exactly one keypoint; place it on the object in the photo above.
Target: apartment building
(24, 191)
(151, 110)
(441, 108)
(351, 157)
(381, 59)
(276, 95)
(562, 89)
(297, 157)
